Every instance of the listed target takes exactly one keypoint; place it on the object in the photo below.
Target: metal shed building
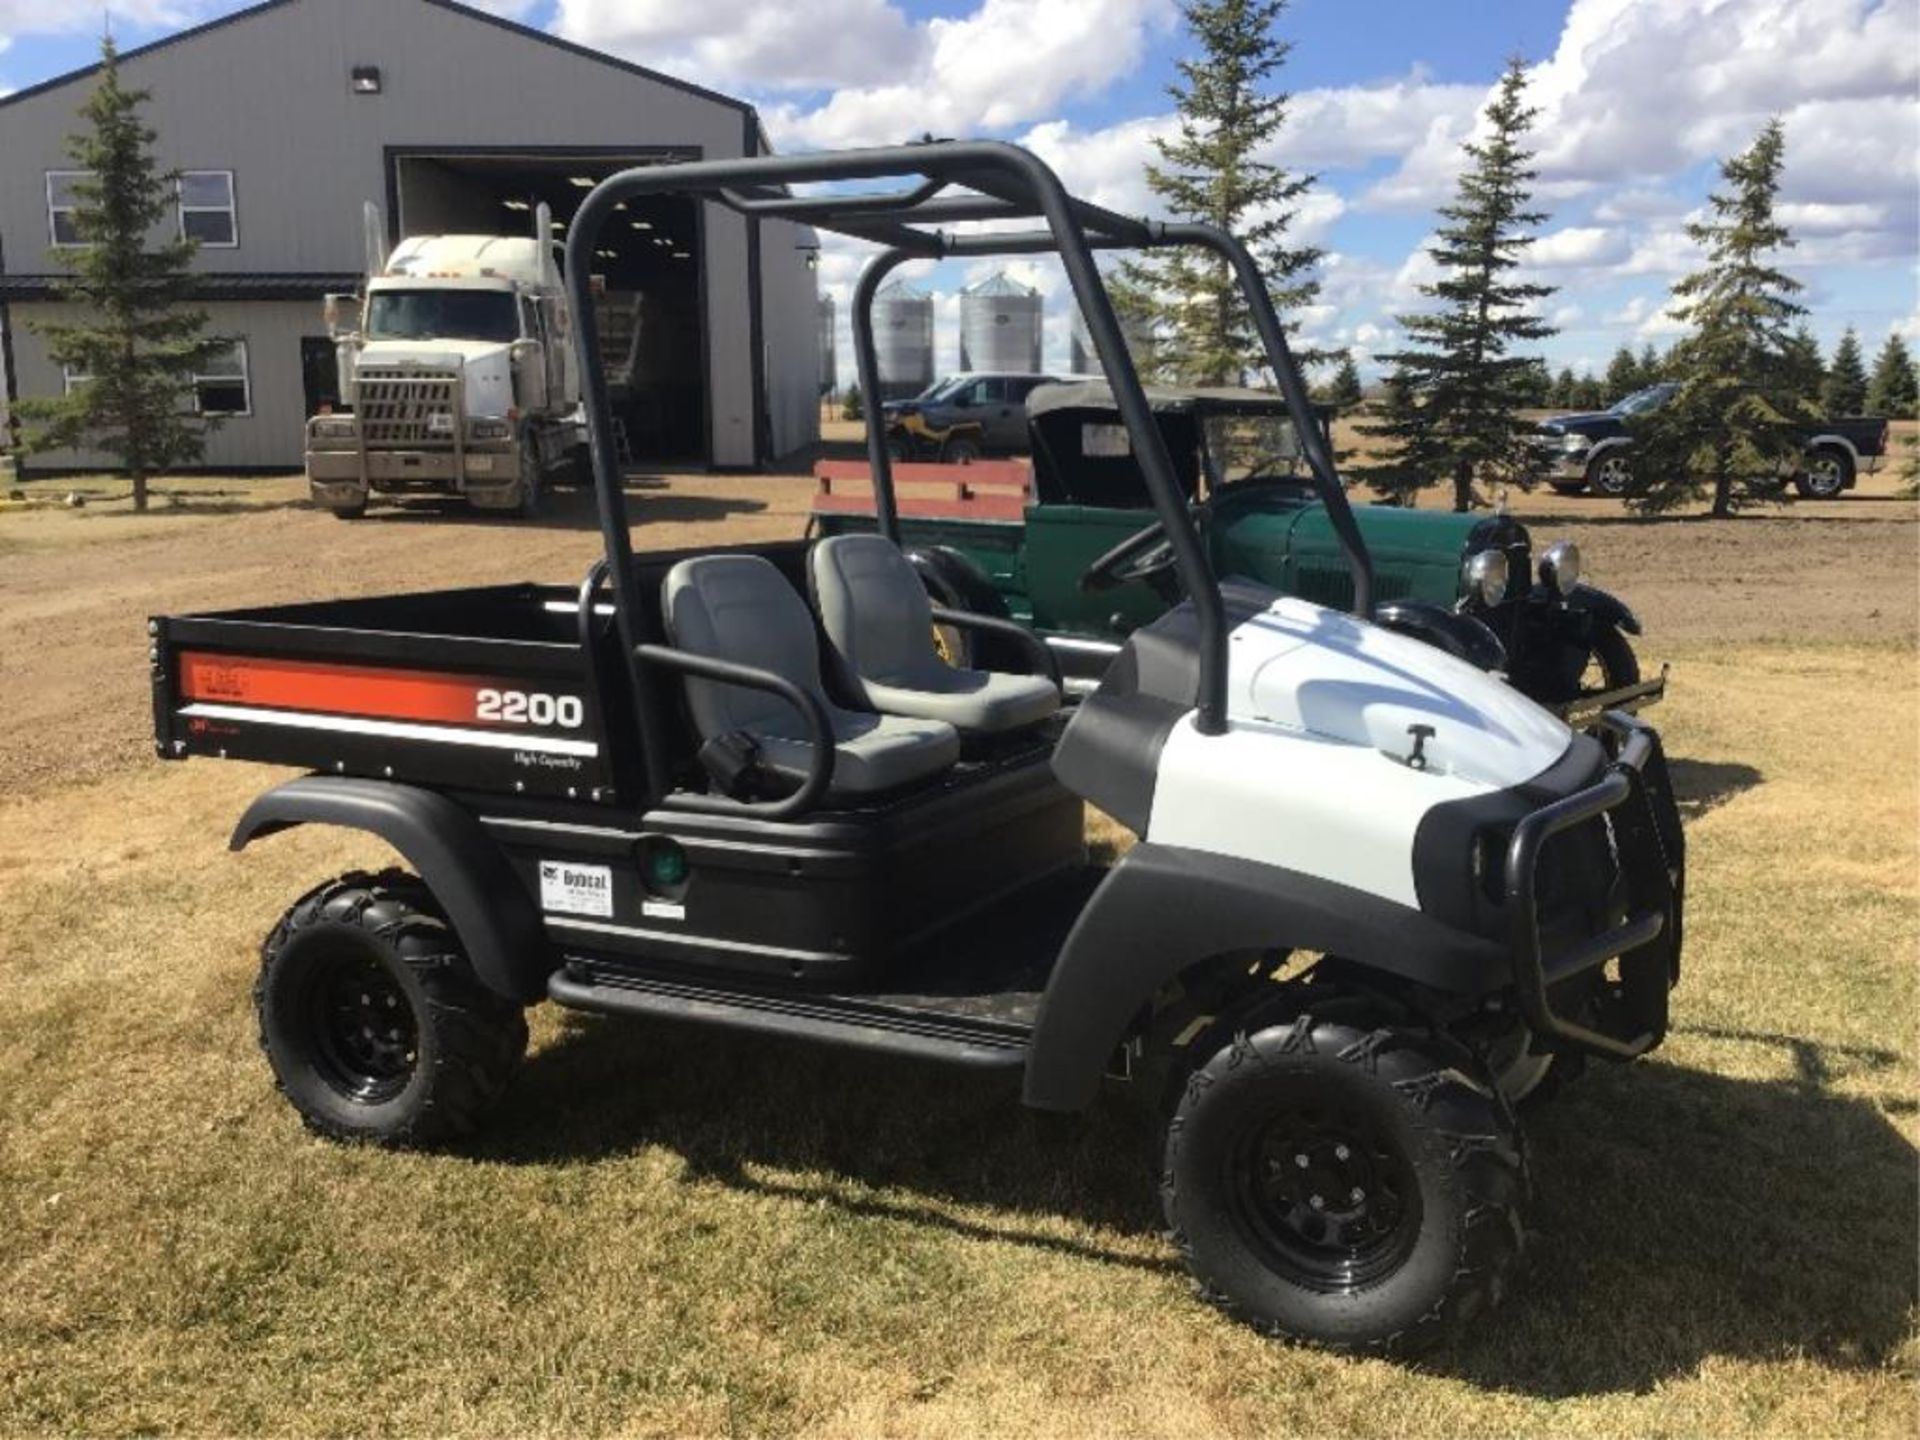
(285, 118)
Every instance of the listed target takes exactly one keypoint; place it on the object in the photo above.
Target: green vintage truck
(1066, 546)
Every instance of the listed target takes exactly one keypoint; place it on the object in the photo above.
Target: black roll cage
(998, 182)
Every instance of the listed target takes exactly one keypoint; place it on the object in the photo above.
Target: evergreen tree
(1894, 390)
(1344, 389)
(1210, 171)
(1845, 392)
(134, 340)
(1651, 366)
(1623, 375)
(1730, 426)
(1536, 384)
(1566, 392)
(1806, 370)
(1588, 394)
(1462, 390)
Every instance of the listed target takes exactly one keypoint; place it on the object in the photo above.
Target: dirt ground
(665, 1234)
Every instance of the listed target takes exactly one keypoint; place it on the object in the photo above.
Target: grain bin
(1000, 325)
(903, 339)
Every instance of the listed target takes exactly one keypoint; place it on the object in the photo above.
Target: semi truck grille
(398, 407)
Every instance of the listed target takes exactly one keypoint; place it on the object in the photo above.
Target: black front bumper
(1634, 800)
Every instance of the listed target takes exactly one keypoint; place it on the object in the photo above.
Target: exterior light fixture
(366, 80)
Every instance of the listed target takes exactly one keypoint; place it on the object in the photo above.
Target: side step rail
(845, 1021)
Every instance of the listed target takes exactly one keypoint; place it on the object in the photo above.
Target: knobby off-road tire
(1353, 1185)
(372, 1019)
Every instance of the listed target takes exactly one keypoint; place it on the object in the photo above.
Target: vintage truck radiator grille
(396, 407)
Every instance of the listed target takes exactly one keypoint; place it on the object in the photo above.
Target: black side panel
(1110, 754)
(1163, 908)
(491, 910)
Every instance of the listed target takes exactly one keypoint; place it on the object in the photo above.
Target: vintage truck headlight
(1560, 566)
(491, 429)
(1486, 576)
(333, 427)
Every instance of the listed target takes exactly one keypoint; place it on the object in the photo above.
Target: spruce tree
(1845, 392)
(1210, 171)
(1806, 370)
(1651, 367)
(135, 341)
(1565, 389)
(1462, 390)
(1730, 427)
(1623, 375)
(1894, 391)
(1344, 389)
(1587, 394)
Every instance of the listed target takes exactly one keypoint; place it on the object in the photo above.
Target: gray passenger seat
(739, 608)
(879, 626)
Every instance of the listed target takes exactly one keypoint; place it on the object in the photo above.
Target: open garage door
(652, 310)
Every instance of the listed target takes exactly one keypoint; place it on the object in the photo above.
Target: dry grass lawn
(670, 1232)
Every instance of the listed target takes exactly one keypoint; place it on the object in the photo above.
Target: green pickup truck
(1067, 547)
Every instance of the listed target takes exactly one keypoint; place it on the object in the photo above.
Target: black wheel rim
(1326, 1197)
(367, 1041)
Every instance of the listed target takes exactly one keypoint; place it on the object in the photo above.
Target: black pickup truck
(1589, 452)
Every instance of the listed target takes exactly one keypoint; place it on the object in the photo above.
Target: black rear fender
(1164, 909)
(489, 908)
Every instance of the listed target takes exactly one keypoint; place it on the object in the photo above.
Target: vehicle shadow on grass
(1703, 785)
(1683, 1215)
(1680, 1215)
(734, 1107)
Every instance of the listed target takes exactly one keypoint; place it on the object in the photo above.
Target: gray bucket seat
(739, 608)
(879, 626)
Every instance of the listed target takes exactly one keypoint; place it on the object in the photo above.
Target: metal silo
(1000, 325)
(1080, 357)
(903, 340)
(829, 367)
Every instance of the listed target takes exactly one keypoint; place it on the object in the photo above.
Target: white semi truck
(457, 375)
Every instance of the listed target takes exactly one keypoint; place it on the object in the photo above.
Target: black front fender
(1604, 608)
(1164, 908)
(485, 902)
(1464, 636)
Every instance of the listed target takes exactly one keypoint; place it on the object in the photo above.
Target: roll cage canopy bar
(953, 182)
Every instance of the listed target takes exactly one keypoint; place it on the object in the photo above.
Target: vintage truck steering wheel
(1144, 555)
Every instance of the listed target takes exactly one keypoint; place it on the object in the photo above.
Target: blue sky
(1638, 99)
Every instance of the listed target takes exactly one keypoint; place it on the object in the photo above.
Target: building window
(63, 207)
(221, 386)
(207, 211)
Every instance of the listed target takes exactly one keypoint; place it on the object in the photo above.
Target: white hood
(1313, 775)
(486, 367)
(1324, 673)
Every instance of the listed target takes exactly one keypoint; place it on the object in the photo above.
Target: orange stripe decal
(339, 689)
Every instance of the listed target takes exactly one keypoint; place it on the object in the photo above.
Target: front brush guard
(1636, 797)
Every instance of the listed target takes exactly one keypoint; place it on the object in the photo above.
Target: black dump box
(481, 689)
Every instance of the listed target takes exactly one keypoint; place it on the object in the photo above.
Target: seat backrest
(739, 608)
(874, 609)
